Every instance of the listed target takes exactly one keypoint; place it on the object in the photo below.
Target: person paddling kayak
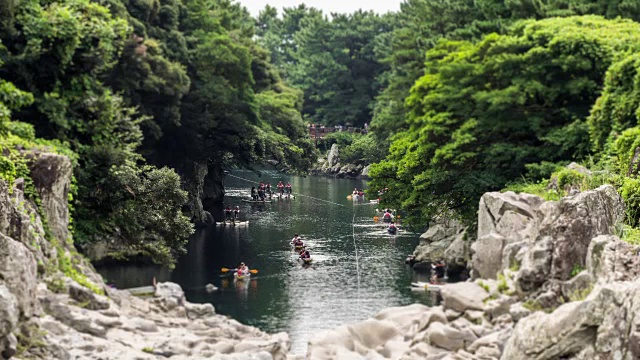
(242, 270)
(387, 217)
(280, 188)
(227, 213)
(439, 270)
(297, 241)
(392, 229)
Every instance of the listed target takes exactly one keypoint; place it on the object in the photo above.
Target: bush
(363, 150)
(342, 138)
(540, 189)
(570, 177)
(630, 192)
(542, 170)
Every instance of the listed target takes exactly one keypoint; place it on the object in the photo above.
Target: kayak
(426, 286)
(307, 261)
(392, 231)
(241, 277)
(299, 247)
(231, 223)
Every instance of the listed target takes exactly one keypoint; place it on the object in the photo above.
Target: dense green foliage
(334, 61)
(485, 110)
(127, 84)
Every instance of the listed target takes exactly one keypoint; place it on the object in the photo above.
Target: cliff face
(553, 282)
(53, 305)
(332, 166)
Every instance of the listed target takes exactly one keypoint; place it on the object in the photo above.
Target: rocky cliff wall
(53, 305)
(558, 285)
(332, 166)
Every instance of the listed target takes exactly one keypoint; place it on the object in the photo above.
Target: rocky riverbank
(53, 305)
(552, 282)
(332, 166)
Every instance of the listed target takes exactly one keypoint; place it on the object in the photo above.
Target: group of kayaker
(263, 191)
(298, 244)
(387, 217)
(232, 214)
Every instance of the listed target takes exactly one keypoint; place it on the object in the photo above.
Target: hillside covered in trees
(154, 99)
(465, 97)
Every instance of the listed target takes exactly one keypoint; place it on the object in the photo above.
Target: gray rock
(333, 157)
(611, 259)
(437, 240)
(605, 322)
(8, 346)
(18, 272)
(565, 235)
(457, 253)
(449, 338)
(503, 219)
(579, 168)
(170, 291)
(9, 312)
(51, 175)
(463, 296)
(83, 295)
(365, 172)
(197, 311)
(486, 250)
(517, 312)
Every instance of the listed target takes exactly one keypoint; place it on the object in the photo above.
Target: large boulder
(333, 157)
(437, 240)
(463, 296)
(8, 312)
(365, 172)
(18, 272)
(504, 219)
(611, 259)
(565, 235)
(51, 175)
(603, 326)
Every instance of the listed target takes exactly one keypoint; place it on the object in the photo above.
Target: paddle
(224, 270)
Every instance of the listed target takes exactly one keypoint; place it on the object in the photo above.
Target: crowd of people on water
(264, 191)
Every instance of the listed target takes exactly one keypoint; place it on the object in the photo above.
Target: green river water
(338, 288)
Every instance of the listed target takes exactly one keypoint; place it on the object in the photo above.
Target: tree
(483, 111)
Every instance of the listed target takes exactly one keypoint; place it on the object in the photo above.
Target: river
(336, 289)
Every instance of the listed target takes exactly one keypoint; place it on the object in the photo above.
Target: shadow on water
(286, 295)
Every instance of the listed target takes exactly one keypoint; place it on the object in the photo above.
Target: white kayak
(424, 286)
(238, 277)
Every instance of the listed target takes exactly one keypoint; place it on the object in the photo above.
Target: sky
(327, 6)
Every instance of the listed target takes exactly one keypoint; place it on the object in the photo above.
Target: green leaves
(483, 111)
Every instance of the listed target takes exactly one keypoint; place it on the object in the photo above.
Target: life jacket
(387, 215)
